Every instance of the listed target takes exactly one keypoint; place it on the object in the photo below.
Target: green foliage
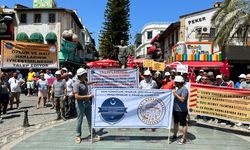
(115, 27)
(232, 19)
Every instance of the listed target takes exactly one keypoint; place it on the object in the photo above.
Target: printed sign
(193, 48)
(157, 66)
(182, 68)
(148, 63)
(114, 78)
(132, 108)
(224, 103)
(28, 55)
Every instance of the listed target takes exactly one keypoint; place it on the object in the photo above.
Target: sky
(141, 11)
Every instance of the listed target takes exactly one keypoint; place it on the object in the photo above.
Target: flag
(225, 68)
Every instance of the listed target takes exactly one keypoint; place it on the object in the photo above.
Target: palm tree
(232, 18)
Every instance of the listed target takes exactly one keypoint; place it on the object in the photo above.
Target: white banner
(132, 108)
(182, 68)
(114, 78)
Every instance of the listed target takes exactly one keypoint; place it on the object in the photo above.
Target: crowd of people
(68, 93)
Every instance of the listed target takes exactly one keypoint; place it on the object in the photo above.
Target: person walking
(42, 86)
(59, 91)
(4, 93)
(83, 103)
(180, 109)
(15, 89)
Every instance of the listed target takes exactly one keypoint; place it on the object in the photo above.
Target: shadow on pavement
(26, 107)
(11, 116)
(244, 133)
(40, 114)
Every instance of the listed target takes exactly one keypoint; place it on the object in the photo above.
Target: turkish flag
(225, 69)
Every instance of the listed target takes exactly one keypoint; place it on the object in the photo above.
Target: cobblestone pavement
(12, 126)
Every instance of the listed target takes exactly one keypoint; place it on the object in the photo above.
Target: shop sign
(193, 48)
(24, 55)
(196, 20)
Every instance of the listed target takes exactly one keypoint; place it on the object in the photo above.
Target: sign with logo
(157, 66)
(43, 3)
(132, 108)
(24, 55)
(193, 48)
(182, 68)
(114, 78)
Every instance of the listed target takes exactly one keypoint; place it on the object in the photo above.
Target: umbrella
(105, 63)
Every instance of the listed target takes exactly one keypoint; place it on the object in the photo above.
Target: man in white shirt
(15, 89)
(70, 100)
(148, 82)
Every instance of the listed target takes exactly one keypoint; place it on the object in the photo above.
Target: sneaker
(182, 141)
(249, 127)
(1, 120)
(239, 124)
(97, 138)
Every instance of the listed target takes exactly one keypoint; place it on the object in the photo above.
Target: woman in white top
(42, 85)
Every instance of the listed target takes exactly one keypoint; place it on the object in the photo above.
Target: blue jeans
(70, 106)
(83, 108)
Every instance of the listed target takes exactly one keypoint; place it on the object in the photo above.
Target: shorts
(180, 117)
(42, 93)
(30, 84)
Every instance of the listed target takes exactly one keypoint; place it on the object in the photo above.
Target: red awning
(154, 39)
(198, 64)
(151, 49)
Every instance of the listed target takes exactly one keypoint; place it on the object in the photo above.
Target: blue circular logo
(112, 110)
(9, 45)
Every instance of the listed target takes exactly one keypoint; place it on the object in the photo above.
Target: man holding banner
(83, 102)
(180, 108)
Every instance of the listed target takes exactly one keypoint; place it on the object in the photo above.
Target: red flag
(225, 69)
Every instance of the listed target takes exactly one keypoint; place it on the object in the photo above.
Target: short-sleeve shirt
(178, 105)
(80, 88)
(59, 87)
(15, 84)
(69, 85)
(42, 85)
(245, 85)
(148, 85)
(31, 76)
(167, 85)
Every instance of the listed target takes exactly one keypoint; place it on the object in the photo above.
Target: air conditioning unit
(205, 30)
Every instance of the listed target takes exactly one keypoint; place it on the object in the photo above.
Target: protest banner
(148, 63)
(132, 108)
(114, 78)
(224, 103)
(157, 66)
(24, 55)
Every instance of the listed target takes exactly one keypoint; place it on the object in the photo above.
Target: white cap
(81, 71)
(65, 69)
(167, 73)
(173, 70)
(158, 72)
(219, 76)
(201, 70)
(242, 76)
(178, 79)
(58, 72)
(204, 77)
(147, 73)
(198, 78)
(70, 73)
(210, 73)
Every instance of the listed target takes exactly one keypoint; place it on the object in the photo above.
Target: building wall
(156, 28)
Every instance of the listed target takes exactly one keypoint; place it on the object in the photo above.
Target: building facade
(55, 20)
(149, 31)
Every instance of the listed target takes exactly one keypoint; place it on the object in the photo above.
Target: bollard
(25, 119)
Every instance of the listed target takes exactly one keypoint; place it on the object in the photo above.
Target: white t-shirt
(15, 84)
(150, 85)
(69, 86)
(47, 76)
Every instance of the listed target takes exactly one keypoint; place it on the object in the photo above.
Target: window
(149, 35)
(52, 18)
(37, 18)
(23, 18)
(177, 36)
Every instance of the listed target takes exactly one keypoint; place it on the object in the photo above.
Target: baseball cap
(65, 69)
(210, 73)
(70, 73)
(219, 76)
(242, 76)
(147, 73)
(178, 79)
(81, 71)
(58, 72)
(167, 73)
